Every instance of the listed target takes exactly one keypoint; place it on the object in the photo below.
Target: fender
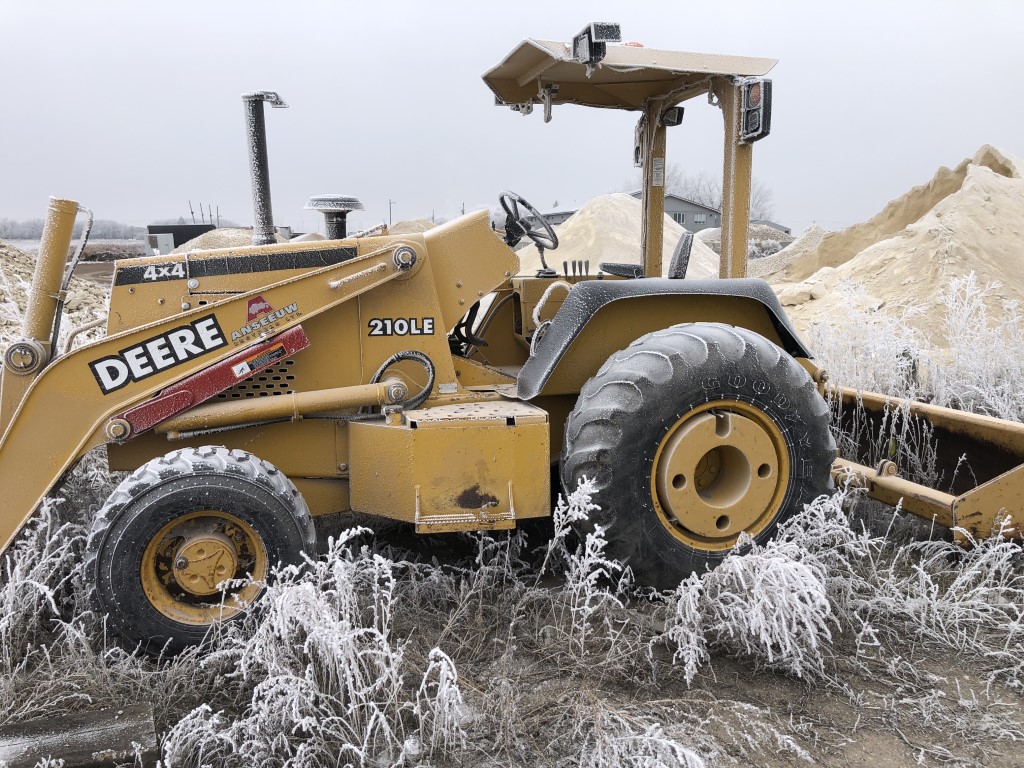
(608, 315)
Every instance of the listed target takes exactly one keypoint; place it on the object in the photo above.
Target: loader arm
(71, 401)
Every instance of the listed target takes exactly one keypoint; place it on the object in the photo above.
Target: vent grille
(276, 380)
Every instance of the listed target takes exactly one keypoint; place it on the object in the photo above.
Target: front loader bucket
(967, 469)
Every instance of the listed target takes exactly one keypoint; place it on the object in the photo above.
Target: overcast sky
(133, 108)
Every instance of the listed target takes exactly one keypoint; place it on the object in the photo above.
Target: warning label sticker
(266, 357)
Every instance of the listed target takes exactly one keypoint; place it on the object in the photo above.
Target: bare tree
(762, 201)
(701, 188)
(32, 229)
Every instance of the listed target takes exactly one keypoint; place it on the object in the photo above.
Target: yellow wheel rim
(720, 470)
(187, 560)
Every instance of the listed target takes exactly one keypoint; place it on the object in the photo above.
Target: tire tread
(614, 402)
(177, 464)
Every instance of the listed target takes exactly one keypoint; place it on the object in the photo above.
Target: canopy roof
(624, 79)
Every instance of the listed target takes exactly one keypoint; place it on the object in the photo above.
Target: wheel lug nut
(181, 563)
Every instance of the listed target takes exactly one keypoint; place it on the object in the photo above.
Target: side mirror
(672, 117)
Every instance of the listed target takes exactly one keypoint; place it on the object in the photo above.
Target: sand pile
(968, 219)
(837, 248)
(607, 228)
(411, 227)
(86, 300)
(807, 242)
(222, 237)
(759, 236)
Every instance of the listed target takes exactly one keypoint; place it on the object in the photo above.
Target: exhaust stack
(256, 127)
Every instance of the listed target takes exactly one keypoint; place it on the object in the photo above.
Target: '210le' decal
(156, 354)
(401, 326)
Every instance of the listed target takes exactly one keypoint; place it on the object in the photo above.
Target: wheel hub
(203, 562)
(719, 472)
(186, 562)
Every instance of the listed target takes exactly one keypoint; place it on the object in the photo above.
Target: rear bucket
(960, 469)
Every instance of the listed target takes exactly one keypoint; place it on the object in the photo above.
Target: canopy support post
(736, 180)
(653, 148)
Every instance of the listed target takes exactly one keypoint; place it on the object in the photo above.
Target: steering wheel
(543, 235)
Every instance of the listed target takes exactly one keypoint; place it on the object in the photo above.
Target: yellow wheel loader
(423, 378)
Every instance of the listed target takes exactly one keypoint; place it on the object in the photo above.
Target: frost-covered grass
(972, 362)
(969, 360)
(984, 367)
(545, 652)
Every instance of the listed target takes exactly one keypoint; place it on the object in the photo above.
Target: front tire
(694, 435)
(179, 526)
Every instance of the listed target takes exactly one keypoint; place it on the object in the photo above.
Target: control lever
(580, 270)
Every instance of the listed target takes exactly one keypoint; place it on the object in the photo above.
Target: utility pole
(191, 211)
(390, 203)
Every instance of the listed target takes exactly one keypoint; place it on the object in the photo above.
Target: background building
(683, 211)
(688, 213)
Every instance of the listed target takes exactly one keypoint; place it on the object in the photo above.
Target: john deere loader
(426, 379)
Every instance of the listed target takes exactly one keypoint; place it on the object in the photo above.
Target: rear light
(756, 120)
(752, 96)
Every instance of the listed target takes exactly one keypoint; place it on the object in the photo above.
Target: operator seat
(676, 270)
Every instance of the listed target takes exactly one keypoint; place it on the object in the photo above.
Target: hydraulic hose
(415, 356)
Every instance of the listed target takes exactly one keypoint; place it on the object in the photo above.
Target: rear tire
(692, 435)
(179, 526)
